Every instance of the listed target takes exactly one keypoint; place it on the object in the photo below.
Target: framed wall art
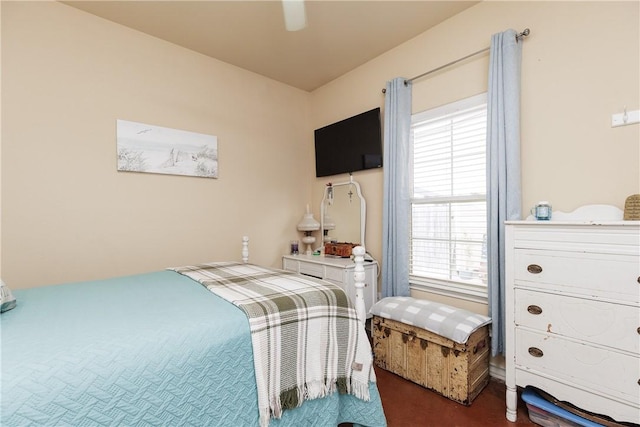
(156, 149)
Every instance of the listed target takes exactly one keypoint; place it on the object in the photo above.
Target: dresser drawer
(608, 372)
(612, 325)
(335, 274)
(601, 275)
(310, 269)
(290, 265)
(587, 238)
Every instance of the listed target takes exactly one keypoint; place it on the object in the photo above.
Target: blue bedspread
(150, 349)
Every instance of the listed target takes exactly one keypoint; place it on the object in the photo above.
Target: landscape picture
(156, 149)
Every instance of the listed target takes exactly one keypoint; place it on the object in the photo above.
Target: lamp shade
(308, 222)
(328, 222)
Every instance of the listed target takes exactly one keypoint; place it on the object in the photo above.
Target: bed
(150, 349)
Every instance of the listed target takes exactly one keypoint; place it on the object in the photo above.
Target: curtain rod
(519, 36)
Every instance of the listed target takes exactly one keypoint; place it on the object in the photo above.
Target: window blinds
(448, 212)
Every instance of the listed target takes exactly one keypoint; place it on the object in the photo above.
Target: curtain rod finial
(523, 34)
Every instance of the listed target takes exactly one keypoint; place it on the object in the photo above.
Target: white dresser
(339, 271)
(573, 314)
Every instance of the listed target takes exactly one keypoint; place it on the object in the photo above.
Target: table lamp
(308, 224)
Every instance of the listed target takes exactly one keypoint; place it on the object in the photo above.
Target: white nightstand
(339, 271)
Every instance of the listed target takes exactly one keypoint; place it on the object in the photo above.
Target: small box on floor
(452, 358)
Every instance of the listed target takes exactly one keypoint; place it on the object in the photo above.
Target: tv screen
(349, 145)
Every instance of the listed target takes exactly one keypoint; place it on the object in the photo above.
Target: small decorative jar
(541, 211)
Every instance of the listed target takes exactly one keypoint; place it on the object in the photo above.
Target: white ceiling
(340, 35)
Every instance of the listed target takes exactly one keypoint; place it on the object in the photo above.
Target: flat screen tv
(350, 145)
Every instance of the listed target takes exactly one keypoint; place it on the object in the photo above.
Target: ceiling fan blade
(295, 17)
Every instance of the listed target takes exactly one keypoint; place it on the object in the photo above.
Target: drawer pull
(534, 269)
(534, 309)
(638, 279)
(535, 352)
(638, 330)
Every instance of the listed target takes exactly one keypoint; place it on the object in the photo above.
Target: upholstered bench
(440, 347)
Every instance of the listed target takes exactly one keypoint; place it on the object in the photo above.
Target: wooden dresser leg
(512, 403)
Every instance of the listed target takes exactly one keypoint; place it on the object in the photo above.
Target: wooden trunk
(456, 371)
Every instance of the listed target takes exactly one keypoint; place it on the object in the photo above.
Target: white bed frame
(358, 275)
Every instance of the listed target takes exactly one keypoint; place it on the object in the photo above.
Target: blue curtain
(395, 215)
(503, 171)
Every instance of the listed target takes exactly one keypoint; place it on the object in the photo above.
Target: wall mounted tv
(349, 145)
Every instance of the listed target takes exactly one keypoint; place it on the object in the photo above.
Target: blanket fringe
(318, 389)
(360, 390)
(265, 417)
(295, 397)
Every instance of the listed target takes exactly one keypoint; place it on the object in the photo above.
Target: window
(448, 198)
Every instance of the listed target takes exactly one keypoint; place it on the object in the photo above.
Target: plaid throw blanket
(307, 341)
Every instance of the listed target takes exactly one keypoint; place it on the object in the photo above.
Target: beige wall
(67, 76)
(67, 215)
(579, 65)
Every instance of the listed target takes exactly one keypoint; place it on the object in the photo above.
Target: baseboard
(496, 370)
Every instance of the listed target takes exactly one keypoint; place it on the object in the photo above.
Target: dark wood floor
(407, 405)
